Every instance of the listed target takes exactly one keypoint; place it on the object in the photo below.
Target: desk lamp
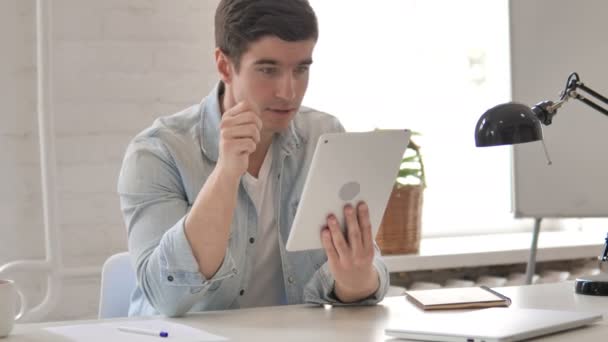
(514, 123)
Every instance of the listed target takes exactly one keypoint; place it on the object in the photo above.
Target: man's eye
(268, 71)
(302, 69)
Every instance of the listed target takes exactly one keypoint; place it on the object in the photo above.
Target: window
(433, 66)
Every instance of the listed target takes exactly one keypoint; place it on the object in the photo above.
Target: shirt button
(242, 292)
(290, 280)
(251, 240)
(170, 278)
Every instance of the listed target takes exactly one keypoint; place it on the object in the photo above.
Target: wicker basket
(399, 232)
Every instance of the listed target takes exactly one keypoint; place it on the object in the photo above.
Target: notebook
(489, 325)
(457, 298)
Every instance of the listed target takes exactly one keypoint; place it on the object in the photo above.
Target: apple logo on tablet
(349, 191)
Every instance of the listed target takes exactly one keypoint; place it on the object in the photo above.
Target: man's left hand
(350, 255)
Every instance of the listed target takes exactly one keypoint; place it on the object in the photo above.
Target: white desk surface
(314, 323)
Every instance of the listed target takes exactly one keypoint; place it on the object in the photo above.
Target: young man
(209, 194)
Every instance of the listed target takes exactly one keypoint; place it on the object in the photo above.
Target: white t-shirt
(266, 288)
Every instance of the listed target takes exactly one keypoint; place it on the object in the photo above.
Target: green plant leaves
(411, 170)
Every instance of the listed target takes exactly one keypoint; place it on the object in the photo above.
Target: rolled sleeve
(155, 207)
(320, 289)
(179, 266)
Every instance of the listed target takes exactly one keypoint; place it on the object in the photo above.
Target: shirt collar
(211, 117)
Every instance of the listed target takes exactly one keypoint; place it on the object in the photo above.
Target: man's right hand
(239, 135)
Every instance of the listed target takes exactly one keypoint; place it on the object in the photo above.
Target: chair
(117, 283)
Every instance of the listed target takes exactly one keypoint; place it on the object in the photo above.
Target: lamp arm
(594, 93)
(573, 93)
(573, 83)
(545, 110)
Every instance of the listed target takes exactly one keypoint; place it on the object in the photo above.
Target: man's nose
(286, 88)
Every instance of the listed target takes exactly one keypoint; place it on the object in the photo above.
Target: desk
(496, 249)
(314, 323)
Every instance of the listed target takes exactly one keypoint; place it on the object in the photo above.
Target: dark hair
(240, 22)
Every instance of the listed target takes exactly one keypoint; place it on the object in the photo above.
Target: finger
(245, 131)
(366, 226)
(338, 237)
(328, 245)
(245, 145)
(254, 117)
(352, 228)
(239, 108)
(240, 146)
(244, 118)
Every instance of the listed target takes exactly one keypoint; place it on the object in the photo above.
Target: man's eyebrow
(266, 61)
(307, 61)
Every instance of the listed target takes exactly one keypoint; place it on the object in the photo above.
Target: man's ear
(224, 66)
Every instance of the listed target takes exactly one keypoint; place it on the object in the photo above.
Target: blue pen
(148, 332)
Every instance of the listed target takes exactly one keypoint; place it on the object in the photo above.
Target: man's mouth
(283, 111)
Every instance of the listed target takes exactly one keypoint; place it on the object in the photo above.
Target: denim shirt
(164, 169)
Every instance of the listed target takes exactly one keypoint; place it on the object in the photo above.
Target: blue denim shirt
(165, 167)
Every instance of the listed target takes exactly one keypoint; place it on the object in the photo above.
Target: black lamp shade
(507, 124)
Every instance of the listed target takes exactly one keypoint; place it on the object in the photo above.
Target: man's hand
(350, 257)
(239, 136)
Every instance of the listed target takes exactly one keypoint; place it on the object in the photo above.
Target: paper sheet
(109, 332)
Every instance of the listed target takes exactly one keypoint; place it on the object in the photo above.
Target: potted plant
(400, 229)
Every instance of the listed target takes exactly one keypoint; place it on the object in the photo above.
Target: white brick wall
(117, 65)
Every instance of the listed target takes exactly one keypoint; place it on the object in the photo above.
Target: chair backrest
(117, 283)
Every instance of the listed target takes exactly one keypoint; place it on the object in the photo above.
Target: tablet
(347, 168)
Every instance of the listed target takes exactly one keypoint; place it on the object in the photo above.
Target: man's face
(273, 78)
